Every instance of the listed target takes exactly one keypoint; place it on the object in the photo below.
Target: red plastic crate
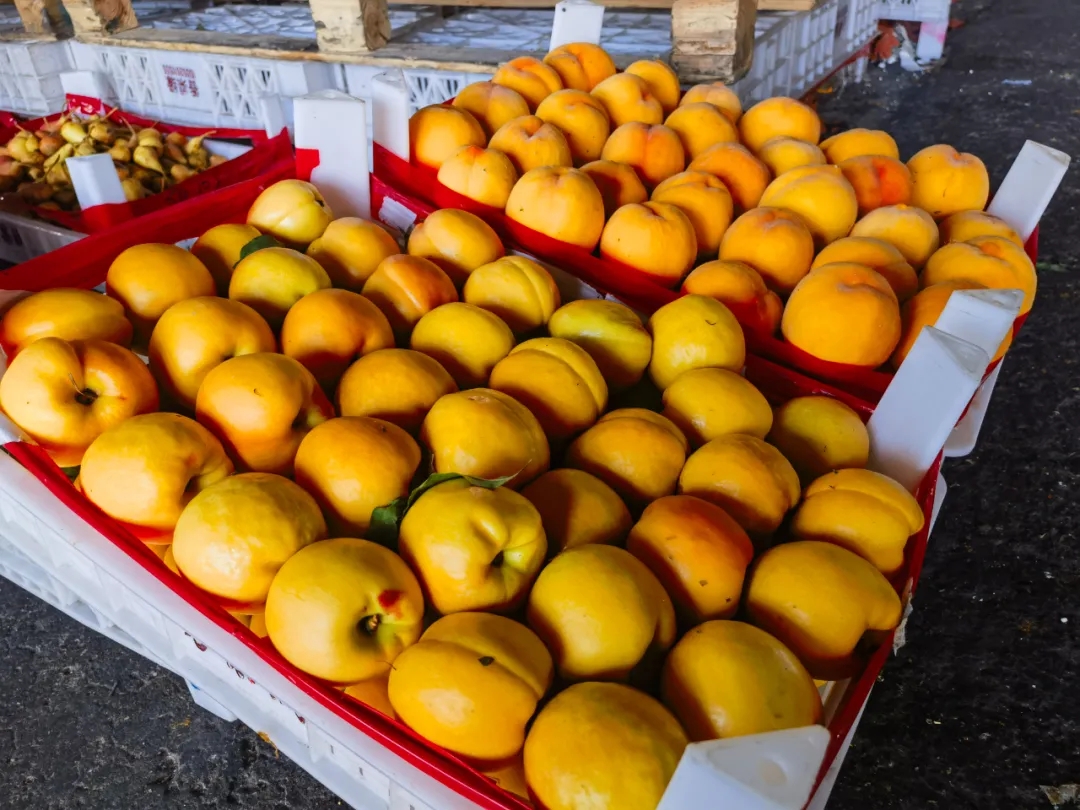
(264, 153)
(85, 264)
(627, 283)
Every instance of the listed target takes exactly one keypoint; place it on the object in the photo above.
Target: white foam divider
(390, 116)
(772, 771)
(335, 124)
(576, 21)
(274, 114)
(95, 180)
(981, 317)
(1027, 189)
(922, 404)
(966, 433)
(88, 83)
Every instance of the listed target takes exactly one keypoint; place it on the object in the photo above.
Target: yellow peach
(859, 142)
(491, 104)
(555, 379)
(580, 65)
(945, 181)
(559, 202)
(627, 98)
(706, 202)
(818, 434)
(456, 241)
(782, 154)
(843, 313)
(747, 478)
(876, 254)
(741, 289)
(466, 340)
(395, 385)
(991, 261)
(636, 452)
(517, 289)
(863, 511)
(437, 131)
(924, 308)
(910, 230)
(577, 508)
(707, 403)
(694, 332)
(701, 126)
(965, 225)
(611, 333)
(745, 176)
(655, 152)
(406, 288)
(719, 95)
(878, 181)
(773, 241)
(530, 77)
(618, 184)
(821, 195)
(663, 82)
(350, 250)
(656, 238)
(530, 143)
(483, 175)
(486, 434)
(779, 116)
(697, 551)
(581, 118)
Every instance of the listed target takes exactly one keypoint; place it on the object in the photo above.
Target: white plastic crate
(22, 238)
(34, 58)
(201, 88)
(425, 86)
(30, 76)
(793, 51)
(856, 26)
(934, 16)
(31, 577)
(913, 10)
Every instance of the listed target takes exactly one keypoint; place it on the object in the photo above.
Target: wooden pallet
(711, 40)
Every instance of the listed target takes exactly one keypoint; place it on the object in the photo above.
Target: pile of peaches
(555, 540)
(836, 243)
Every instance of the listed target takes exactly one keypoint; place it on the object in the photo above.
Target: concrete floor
(979, 710)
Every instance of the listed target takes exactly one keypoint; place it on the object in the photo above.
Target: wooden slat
(403, 55)
(346, 26)
(101, 16)
(762, 5)
(712, 40)
(787, 5)
(32, 14)
(41, 18)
